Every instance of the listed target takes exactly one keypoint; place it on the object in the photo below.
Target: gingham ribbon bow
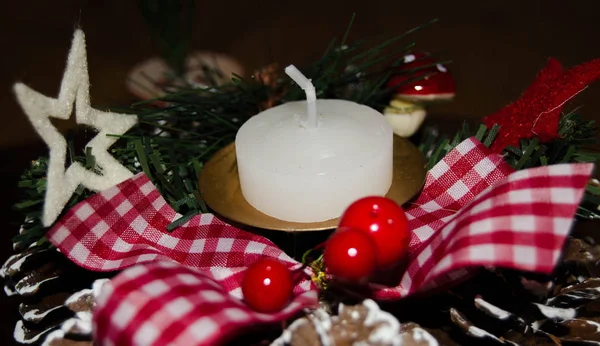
(183, 287)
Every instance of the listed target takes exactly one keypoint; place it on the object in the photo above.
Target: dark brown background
(497, 47)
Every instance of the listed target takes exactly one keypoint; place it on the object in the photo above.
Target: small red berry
(385, 222)
(267, 285)
(350, 255)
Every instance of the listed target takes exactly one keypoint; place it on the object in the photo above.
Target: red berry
(267, 285)
(385, 221)
(350, 255)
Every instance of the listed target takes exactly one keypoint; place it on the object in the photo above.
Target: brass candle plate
(220, 188)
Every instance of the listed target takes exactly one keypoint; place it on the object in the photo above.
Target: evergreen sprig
(33, 188)
(575, 133)
(435, 146)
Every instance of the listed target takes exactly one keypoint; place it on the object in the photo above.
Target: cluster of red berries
(372, 235)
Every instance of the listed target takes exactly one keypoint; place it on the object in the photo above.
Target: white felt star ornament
(74, 90)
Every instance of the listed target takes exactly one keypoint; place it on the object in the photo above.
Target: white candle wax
(294, 172)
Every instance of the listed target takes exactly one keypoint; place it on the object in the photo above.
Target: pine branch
(575, 133)
(436, 146)
(33, 187)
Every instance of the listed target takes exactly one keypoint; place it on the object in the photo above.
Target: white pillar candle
(298, 171)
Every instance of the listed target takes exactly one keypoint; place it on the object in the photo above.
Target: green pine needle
(480, 133)
(491, 135)
(181, 220)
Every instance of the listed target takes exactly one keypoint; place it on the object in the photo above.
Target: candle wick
(309, 90)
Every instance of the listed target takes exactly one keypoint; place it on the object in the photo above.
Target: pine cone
(525, 309)
(42, 279)
(77, 331)
(364, 324)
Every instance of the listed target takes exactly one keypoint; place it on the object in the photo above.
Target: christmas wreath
(128, 218)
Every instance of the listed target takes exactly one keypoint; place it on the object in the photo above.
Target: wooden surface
(497, 47)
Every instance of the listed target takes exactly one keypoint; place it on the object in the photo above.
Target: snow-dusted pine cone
(42, 279)
(361, 324)
(77, 331)
(521, 310)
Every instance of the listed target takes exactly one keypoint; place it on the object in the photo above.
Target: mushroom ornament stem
(405, 117)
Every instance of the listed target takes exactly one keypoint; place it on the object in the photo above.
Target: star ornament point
(74, 91)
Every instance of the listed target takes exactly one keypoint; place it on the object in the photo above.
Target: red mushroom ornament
(420, 80)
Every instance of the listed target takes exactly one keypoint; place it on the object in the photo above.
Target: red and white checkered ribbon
(188, 292)
(450, 185)
(185, 288)
(475, 211)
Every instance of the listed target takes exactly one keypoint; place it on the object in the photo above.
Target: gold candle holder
(220, 188)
